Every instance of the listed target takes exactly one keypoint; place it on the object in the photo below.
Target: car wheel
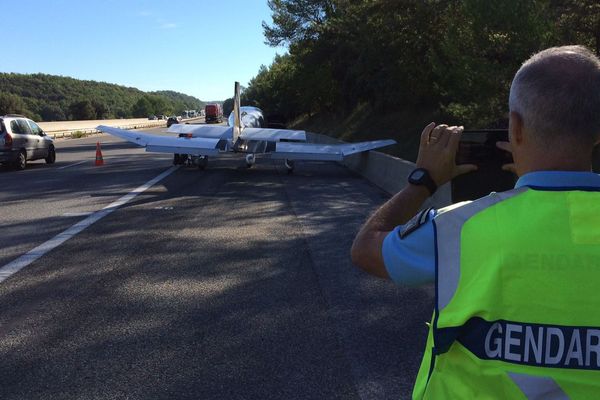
(21, 161)
(51, 158)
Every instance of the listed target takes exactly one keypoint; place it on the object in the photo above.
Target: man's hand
(507, 147)
(437, 153)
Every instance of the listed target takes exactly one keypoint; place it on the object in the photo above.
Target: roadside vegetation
(362, 69)
(79, 134)
(44, 97)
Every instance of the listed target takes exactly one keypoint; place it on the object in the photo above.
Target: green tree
(82, 110)
(297, 20)
(158, 104)
(454, 58)
(474, 61)
(52, 112)
(143, 107)
(11, 104)
(577, 21)
(100, 109)
(228, 106)
(46, 95)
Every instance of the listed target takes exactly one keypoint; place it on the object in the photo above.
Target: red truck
(213, 113)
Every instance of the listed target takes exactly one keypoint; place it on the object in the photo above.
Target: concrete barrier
(391, 173)
(66, 129)
(387, 172)
(62, 134)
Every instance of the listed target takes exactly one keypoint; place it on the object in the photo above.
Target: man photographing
(517, 272)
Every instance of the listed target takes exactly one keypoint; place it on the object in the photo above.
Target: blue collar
(560, 180)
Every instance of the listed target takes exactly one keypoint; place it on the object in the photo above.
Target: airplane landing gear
(250, 160)
(289, 164)
(202, 162)
(185, 159)
(180, 159)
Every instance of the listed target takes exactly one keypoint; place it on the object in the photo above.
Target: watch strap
(425, 180)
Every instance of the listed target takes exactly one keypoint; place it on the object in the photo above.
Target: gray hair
(557, 94)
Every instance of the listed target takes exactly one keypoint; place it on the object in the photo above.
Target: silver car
(22, 140)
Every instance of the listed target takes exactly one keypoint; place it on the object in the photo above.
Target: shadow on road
(223, 284)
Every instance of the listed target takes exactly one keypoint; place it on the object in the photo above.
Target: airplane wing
(204, 131)
(197, 146)
(324, 152)
(273, 135)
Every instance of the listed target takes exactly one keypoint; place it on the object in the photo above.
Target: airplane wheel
(289, 164)
(202, 162)
(250, 160)
(176, 159)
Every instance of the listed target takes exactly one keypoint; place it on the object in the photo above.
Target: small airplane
(246, 134)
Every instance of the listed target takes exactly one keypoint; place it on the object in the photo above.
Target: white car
(22, 140)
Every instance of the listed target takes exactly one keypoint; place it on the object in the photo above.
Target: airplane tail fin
(237, 119)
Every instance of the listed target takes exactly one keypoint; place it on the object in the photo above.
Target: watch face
(418, 174)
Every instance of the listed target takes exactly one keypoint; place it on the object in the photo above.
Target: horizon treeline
(43, 97)
(452, 59)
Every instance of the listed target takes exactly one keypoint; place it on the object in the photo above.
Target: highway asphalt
(228, 283)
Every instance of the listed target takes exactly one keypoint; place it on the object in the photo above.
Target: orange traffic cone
(99, 159)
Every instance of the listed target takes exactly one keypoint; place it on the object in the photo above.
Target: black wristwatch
(421, 177)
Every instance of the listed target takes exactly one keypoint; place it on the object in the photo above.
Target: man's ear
(515, 125)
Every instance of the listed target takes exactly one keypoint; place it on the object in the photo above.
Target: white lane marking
(32, 255)
(90, 136)
(72, 165)
(77, 214)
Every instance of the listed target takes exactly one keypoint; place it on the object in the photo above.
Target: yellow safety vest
(517, 313)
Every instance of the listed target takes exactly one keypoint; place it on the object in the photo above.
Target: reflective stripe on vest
(449, 223)
(508, 321)
(549, 346)
(538, 387)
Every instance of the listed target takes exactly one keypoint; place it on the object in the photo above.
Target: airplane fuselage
(251, 117)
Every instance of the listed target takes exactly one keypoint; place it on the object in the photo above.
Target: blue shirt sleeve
(411, 260)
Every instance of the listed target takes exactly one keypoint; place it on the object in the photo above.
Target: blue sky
(195, 47)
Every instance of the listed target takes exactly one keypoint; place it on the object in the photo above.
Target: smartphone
(479, 147)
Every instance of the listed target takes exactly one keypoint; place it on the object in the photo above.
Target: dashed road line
(15, 266)
(78, 214)
(72, 165)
